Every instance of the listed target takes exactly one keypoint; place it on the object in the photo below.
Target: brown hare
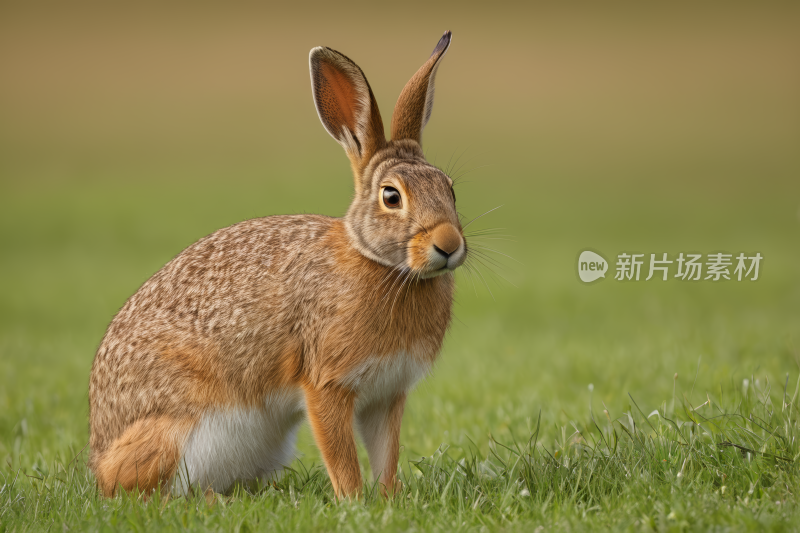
(205, 374)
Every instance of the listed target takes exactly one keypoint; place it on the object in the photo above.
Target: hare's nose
(445, 239)
(441, 252)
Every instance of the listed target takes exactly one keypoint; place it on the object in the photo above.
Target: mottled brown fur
(282, 302)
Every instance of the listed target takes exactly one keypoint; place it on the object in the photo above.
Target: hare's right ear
(346, 106)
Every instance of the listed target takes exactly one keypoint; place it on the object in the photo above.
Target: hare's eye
(391, 198)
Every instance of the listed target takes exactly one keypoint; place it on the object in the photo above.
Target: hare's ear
(346, 106)
(413, 108)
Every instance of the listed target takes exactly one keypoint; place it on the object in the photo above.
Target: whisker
(490, 274)
(483, 259)
(470, 171)
(457, 170)
(385, 278)
(448, 163)
(469, 276)
(399, 275)
(479, 216)
(449, 167)
(434, 157)
(478, 246)
(484, 283)
(478, 258)
(395, 270)
(491, 260)
(485, 231)
(491, 239)
(399, 289)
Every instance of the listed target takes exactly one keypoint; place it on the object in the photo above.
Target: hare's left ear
(346, 106)
(413, 108)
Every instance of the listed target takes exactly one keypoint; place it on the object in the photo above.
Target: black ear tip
(443, 43)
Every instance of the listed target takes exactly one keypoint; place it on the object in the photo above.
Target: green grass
(727, 463)
(506, 433)
(618, 129)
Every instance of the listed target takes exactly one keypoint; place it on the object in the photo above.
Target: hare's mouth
(436, 263)
(434, 273)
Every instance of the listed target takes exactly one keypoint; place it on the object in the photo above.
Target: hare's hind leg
(241, 444)
(145, 456)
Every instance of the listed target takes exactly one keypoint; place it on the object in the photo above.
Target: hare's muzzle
(446, 248)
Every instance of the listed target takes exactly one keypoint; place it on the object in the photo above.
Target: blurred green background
(127, 132)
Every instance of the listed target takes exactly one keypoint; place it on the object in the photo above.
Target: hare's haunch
(205, 374)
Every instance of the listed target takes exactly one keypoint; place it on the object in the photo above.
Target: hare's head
(403, 214)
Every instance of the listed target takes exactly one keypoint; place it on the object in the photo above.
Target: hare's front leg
(379, 426)
(330, 412)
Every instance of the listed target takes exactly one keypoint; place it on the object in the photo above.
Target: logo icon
(591, 266)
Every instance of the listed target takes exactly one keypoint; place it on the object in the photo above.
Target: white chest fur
(381, 378)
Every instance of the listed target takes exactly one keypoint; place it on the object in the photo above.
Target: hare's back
(217, 318)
